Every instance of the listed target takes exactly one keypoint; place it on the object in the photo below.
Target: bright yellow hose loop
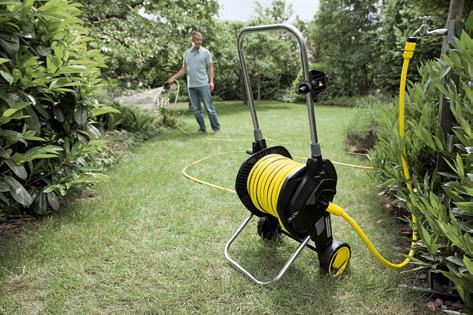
(338, 211)
(186, 175)
(266, 180)
(408, 53)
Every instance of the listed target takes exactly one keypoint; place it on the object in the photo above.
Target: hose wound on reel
(266, 180)
(270, 183)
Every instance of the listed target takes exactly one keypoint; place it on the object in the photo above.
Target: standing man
(197, 60)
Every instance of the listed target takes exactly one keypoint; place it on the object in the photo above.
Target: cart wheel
(268, 228)
(335, 258)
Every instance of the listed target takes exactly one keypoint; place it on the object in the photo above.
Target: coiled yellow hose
(266, 180)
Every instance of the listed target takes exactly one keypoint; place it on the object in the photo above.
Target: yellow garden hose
(408, 53)
(338, 211)
(186, 175)
(266, 180)
(174, 109)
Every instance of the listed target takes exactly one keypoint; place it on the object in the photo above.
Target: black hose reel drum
(289, 197)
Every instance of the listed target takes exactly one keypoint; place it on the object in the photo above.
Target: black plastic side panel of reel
(244, 172)
(301, 222)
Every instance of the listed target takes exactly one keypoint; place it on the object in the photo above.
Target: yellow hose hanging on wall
(338, 211)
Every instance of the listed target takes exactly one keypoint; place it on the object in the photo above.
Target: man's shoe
(202, 132)
(216, 131)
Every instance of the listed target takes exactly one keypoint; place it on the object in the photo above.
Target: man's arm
(177, 75)
(211, 78)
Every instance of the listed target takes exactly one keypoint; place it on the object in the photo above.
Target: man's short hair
(195, 33)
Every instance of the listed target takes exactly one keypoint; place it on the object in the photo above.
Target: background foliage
(359, 43)
(145, 40)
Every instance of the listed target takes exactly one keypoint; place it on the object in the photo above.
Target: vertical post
(446, 117)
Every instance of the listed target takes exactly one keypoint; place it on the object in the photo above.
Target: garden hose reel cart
(289, 197)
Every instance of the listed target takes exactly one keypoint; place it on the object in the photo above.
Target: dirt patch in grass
(11, 227)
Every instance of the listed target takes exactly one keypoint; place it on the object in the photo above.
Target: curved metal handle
(315, 147)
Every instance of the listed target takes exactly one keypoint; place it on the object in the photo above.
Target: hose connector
(409, 48)
(335, 210)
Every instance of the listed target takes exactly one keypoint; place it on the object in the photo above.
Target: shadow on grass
(265, 260)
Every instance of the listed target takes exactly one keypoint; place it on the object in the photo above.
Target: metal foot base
(237, 266)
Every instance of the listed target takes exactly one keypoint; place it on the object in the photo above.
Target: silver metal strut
(315, 147)
(283, 270)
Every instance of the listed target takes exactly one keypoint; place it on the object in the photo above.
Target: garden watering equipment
(295, 199)
(289, 197)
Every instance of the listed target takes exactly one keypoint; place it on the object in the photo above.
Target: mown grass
(151, 242)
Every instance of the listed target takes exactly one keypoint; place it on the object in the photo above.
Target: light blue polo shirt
(197, 63)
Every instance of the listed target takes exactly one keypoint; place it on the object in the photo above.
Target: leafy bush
(443, 201)
(134, 119)
(46, 115)
(113, 146)
(361, 130)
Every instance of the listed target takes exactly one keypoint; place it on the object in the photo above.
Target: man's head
(197, 39)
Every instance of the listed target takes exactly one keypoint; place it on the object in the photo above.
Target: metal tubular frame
(283, 270)
(315, 147)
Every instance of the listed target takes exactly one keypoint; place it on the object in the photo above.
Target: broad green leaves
(102, 110)
(18, 192)
(47, 73)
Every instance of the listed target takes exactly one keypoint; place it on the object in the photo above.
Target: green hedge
(134, 119)
(46, 114)
(361, 131)
(443, 201)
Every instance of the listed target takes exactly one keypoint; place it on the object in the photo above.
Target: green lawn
(152, 241)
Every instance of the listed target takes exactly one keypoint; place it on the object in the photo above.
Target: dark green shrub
(46, 114)
(113, 146)
(443, 201)
(133, 119)
(362, 128)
